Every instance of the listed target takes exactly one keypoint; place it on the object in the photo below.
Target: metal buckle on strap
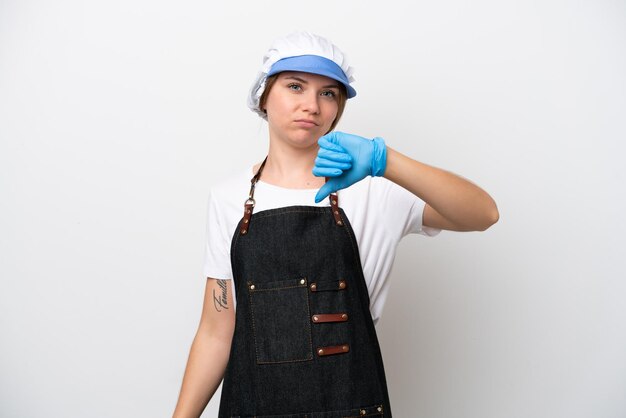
(247, 214)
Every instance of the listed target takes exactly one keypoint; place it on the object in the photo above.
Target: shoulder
(227, 194)
(231, 185)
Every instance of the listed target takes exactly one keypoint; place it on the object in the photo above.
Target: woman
(309, 272)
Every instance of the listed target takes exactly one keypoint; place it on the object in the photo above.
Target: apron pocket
(281, 321)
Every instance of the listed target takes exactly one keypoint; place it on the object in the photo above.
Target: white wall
(116, 117)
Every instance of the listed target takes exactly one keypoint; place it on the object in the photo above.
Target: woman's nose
(310, 102)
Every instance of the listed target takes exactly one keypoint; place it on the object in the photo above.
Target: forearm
(462, 203)
(205, 369)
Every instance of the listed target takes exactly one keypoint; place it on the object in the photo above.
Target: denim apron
(304, 344)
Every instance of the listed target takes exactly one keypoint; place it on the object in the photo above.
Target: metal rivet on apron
(313, 286)
(303, 281)
(251, 287)
(339, 223)
(334, 202)
(342, 284)
(320, 351)
(245, 221)
(363, 412)
(315, 318)
(344, 348)
(244, 231)
(344, 316)
(379, 409)
(336, 212)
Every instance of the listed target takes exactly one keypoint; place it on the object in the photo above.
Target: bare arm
(452, 202)
(210, 350)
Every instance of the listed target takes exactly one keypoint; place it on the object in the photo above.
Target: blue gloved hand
(347, 159)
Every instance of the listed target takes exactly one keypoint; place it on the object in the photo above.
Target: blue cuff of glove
(379, 157)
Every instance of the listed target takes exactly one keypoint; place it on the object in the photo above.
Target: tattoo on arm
(221, 301)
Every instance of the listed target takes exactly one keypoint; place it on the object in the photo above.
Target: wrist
(379, 157)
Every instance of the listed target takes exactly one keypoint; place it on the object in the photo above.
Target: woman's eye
(329, 93)
(295, 87)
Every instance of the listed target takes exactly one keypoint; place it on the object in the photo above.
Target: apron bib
(304, 344)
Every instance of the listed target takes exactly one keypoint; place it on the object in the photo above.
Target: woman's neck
(291, 168)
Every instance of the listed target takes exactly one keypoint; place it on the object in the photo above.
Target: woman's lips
(306, 123)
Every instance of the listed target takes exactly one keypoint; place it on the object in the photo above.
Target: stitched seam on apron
(314, 209)
(275, 288)
(351, 412)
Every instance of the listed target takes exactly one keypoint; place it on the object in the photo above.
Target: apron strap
(248, 206)
(249, 203)
(334, 205)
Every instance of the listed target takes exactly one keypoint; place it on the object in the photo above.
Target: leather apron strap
(250, 202)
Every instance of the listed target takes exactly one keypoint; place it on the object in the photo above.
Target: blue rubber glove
(347, 159)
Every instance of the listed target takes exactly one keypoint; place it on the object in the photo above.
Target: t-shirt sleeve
(404, 205)
(217, 251)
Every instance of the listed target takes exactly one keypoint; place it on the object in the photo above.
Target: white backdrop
(117, 116)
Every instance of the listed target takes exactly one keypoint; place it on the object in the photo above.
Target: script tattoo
(220, 301)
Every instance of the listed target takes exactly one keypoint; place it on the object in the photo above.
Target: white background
(117, 116)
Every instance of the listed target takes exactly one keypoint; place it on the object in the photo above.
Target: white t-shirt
(379, 211)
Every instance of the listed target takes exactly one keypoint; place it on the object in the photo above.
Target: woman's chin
(305, 141)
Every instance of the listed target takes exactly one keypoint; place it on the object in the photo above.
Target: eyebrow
(293, 77)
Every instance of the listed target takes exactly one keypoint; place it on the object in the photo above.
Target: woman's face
(301, 107)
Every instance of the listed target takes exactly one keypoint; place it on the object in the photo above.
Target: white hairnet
(293, 45)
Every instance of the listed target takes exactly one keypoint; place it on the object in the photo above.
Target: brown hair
(342, 97)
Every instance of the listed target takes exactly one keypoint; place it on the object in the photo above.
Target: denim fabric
(281, 320)
(366, 411)
(274, 368)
